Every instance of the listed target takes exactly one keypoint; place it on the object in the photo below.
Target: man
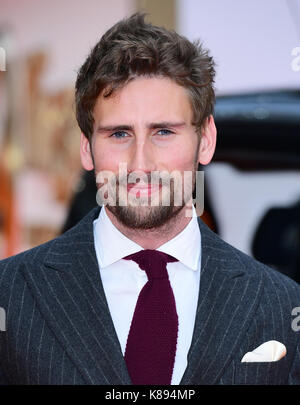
(141, 293)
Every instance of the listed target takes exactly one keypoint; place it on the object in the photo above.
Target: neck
(153, 238)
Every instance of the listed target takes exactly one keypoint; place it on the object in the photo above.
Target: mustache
(153, 178)
(122, 182)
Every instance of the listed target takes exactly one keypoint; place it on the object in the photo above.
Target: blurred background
(252, 187)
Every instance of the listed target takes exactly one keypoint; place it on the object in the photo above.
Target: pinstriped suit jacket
(59, 330)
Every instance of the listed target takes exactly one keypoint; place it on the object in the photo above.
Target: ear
(208, 141)
(85, 153)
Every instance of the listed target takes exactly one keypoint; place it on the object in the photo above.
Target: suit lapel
(228, 298)
(70, 295)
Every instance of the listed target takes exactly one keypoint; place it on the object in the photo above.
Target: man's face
(147, 127)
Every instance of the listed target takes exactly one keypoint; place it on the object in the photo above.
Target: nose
(142, 157)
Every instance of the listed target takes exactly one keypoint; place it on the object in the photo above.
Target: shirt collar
(185, 246)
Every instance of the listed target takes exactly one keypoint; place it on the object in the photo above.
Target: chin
(144, 218)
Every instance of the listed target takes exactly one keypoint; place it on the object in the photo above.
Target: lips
(142, 189)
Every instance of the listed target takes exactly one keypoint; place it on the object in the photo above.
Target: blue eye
(165, 130)
(117, 134)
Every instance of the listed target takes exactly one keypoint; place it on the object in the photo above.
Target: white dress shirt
(123, 280)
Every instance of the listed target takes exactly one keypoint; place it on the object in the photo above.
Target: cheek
(104, 158)
(182, 158)
(104, 161)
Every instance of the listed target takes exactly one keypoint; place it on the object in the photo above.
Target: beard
(139, 212)
(144, 216)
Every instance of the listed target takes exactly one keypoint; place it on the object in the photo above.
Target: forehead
(145, 98)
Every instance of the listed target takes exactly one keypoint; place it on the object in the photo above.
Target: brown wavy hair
(133, 48)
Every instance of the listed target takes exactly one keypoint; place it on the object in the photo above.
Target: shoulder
(10, 274)
(33, 255)
(32, 259)
(276, 284)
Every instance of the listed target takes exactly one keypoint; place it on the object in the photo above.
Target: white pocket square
(268, 351)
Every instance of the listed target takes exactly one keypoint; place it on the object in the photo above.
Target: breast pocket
(261, 373)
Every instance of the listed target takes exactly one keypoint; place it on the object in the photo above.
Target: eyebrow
(151, 125)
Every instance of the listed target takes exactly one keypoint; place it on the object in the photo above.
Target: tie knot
(153, 262)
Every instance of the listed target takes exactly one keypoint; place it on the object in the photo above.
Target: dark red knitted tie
(151, 344)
